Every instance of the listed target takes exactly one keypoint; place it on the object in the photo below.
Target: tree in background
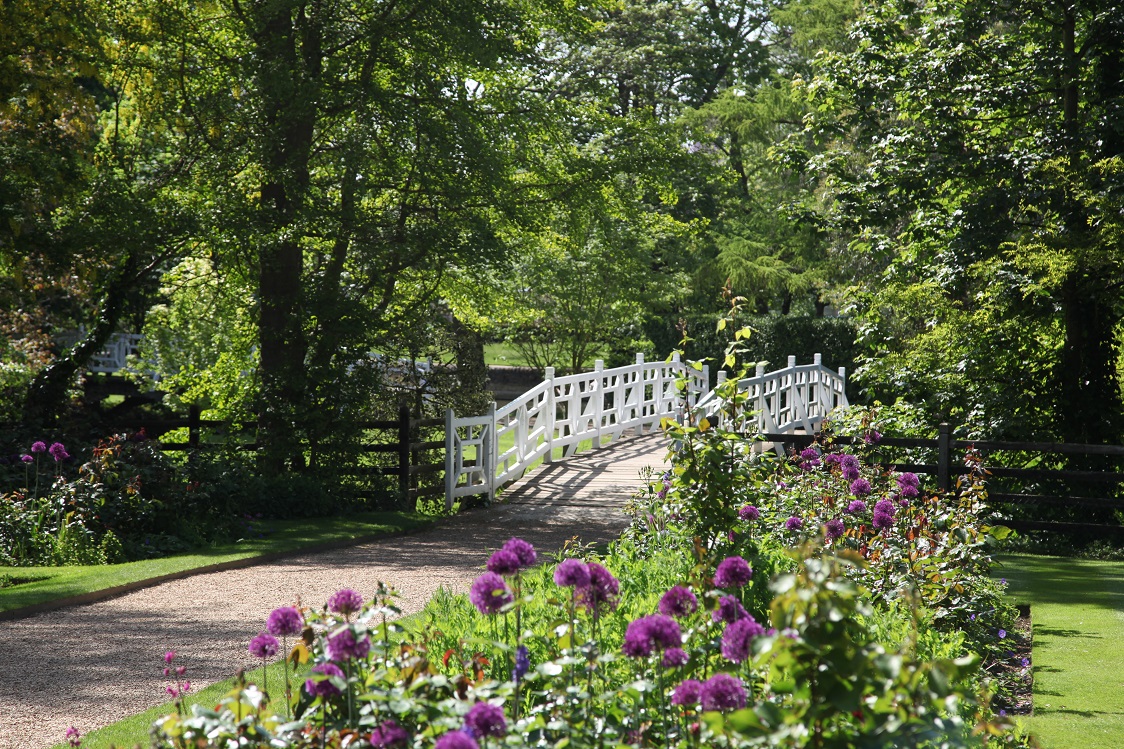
(973, 150)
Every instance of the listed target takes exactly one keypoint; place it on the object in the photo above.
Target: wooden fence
(410, 460)
(949, 463)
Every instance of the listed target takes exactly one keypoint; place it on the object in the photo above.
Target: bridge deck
(604, 478)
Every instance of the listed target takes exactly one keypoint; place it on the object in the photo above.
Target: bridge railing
(561, 413)
(800, 396)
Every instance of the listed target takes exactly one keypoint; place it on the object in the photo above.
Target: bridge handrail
(798, 396)
(562, 412)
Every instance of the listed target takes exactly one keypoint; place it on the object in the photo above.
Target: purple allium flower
(674, 657)
(908, 479)
(679, 602)
(571, 573)
(909, 492)
(456, 740)
(503, 563)
(522, 663)
(345, 602)
(832, 458)
(835, 528)
(882, 520)
(884, 507)
(388, 734)
(687, 693)
(809, 453)
(1026, 662)
(264, 646)
(848, 461)
(285, 621)
(749, 512)
(343, 646)
(732, 572)
(324, 687)
(485, 719)
(522, 550)
(729, 610)
(856, 507)
(58, 452)
(39, 447)
(603, 590)
(850, 474)
(860, 487)
(654, 631)
(489, 593)
(722, 692)
(738, 637)
(169, 656)
(794, 523)
(873, 437)
(27, 459)
(1002, 634)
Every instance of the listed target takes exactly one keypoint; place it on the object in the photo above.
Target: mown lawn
(1077, 610)
(277, 537)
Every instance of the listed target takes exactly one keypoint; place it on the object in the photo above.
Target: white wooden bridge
(550, 423)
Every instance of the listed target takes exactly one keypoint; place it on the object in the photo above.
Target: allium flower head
(860, 487)
(603, 590)
(738, 637)
(884, 507)
(687, 693)
(571, 573)
(388, 734)
(27, 459)
(732, 572)
(264, 646)
(679, 602)
(909, 492)
(58, 452)
(522, 550)
(794, 523)
(834, 529)
(455, 740)
(729, 610)
(489, 593)
(882, 520)
(503, 563)
(485, 719)
(722, 692)
(872, 437)
(39, 447)
(343, 645)
(169, 656)
(674, 657)
(856, 507)
(345, 602)
(908, 479)
(324, 687)
(848, 461)
(749, 512)
(285, 621)
(648, 633)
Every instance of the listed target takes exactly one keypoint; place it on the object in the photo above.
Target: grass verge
(1077, 610)
(53, 584)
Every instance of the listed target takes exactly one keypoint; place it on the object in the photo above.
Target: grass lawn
(279, 536)
(1077, 610)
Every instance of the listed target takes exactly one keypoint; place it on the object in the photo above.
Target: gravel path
(93, 665)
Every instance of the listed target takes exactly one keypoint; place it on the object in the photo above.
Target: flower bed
(751, 603)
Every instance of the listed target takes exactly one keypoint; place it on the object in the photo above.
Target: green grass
(1077, 610)
(133, 730)
(279, 536)
(503, 354)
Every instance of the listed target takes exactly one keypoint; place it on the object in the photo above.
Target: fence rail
(947, 466)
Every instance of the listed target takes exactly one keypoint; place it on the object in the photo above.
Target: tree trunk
(1090, 404)
(472, 373)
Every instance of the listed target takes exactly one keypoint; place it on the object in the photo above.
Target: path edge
(95, 596)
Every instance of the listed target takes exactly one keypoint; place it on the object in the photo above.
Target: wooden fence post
(944, 456)
(404, 453)
(193, 426)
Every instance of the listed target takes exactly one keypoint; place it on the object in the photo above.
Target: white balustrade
(561, 413)
(110, 358)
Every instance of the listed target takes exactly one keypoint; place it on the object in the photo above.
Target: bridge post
(491, 451)
(843, 387)
(638, 390)
(598, 402)
(547, 413)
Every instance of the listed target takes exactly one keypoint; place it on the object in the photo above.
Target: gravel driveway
(92, 665)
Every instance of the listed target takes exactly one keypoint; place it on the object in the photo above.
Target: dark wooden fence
(410, 459)
(949, 463)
